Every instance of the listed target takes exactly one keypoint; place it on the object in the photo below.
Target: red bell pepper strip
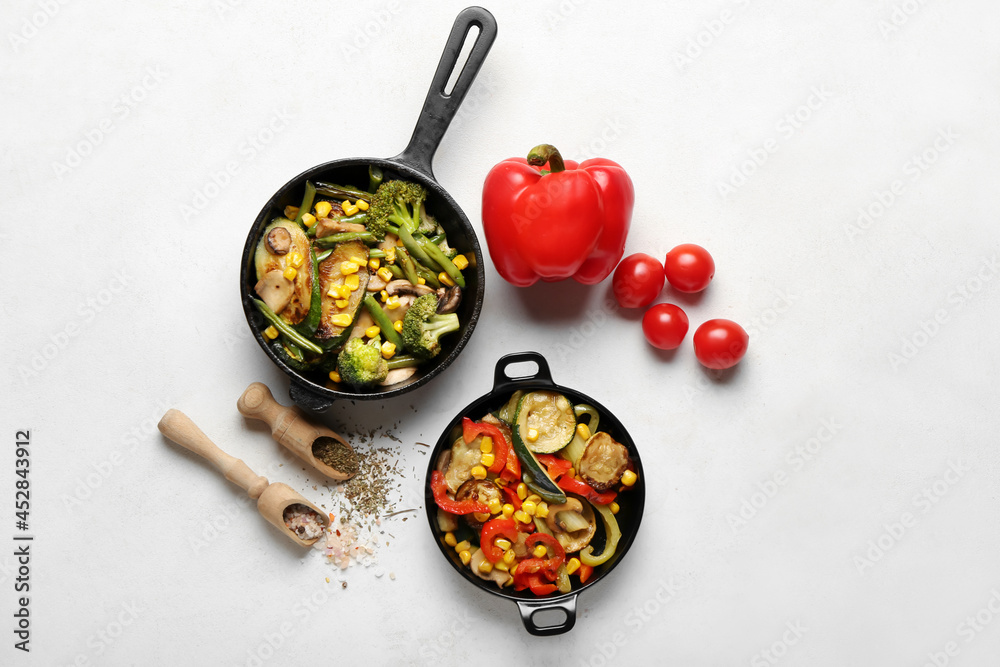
(553, 219)
(491, 530)
(471, 430)
(586, 490)
(546, 566)
(557, 467)
(440, 489)
(512, 497)
(538, 585)
(584, 572)
(512, 471)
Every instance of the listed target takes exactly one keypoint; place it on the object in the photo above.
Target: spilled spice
(335, 454)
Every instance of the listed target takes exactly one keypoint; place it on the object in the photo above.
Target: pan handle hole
(549, 618)
(521, 370)
(463, 56)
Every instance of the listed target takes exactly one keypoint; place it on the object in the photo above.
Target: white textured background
(119, 302)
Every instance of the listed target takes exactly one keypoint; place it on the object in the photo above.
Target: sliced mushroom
(444, 458)
(482, 490)
(572, 540)
(375, 283)
(406, 287)
(603, 462)
(499, 576)
(279, 241)
(449, 300)
(275, 289)
(329, 226)
(363, 322)
(397, 375)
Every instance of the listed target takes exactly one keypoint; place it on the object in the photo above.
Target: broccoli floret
(423, 326)
(362, 365)
(395, 203)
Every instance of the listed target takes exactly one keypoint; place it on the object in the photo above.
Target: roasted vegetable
(481, 490)
(299, 253)
(361, 364)
(603, 462)
(572, 523)
(335, 319)
(546, 421)
(423, 327)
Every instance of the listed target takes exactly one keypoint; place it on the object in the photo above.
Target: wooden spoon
(290, 428)
(272, 499)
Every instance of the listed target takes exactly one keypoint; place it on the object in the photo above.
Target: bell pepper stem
(543, 153)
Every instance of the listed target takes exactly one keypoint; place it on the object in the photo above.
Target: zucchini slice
(551, 416)
(533, 472)
(331, 277)
(266, 261)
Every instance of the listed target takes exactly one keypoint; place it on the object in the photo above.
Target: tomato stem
(543, 153)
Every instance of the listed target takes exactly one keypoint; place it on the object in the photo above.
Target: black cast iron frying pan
(631, 502)
(413, 164)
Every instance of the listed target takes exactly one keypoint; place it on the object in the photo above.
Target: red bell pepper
(546, 566)
(491, 530)
(581, 488)
(553, 219)
(471, 430)
(584, 572)
(512, 497)
(439, 488)
(537, 584)
(557, 467)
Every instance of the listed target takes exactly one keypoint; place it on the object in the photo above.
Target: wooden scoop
(272, 499)
(290, 428)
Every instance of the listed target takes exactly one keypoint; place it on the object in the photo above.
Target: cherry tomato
(720, 344)
(665, 326)
(689, 268)
(638, 280)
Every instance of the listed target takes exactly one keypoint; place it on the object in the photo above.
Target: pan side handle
(439, 108)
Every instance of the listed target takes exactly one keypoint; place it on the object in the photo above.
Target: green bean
(307, 201)
(409, 270)
(403, 361)
(429, 278)
(323, 255)
(437, 238)
(414, 248)
(397, 272)
(342, 192)
(438, 256)
(374, 178)
(383, 322)
(376, 253)
(283, 327)
(334, 239)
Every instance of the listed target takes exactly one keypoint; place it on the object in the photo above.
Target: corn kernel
(351, 210)
(392, 303)
(513, 569)
(486, 444)
(341, 303)
(571, 472)
(374, 263)
(482, 517)
(463, 545)
(388, 349)
(362, 204)
(465, 556)
(500, 565)
(341, 320)
(291, 212)
(522, 490)
(500, 481)
(323, 209)
(384, 296)
(509, 582)
(572, 565)
(478, 472)
(421, 281)
(502, 544)
(486, 567)
(308, 219)
(461, 262)
(535, 498)
(295, 259)
(334, 376)
(385, 274)
(583, 431)
(532, 435)
(449, 539)
(399, 243)
(349, 267)
(344, 205)
(487, 459)
(390, 255)
(614, 507)
(352, 282)
(509, 556)
(521, 516)
(540, 551)
(529, 507)
(271, 333)
(507, 510)
(398, 326)
(372, 331)
(290, 273)
(446, 279)
(495, 506)
(360, 261)
(542, 510)
(629, 478)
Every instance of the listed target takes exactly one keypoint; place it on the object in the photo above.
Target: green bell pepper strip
(334, 239)
(611, 536)
(382, 320)
(284, 328)
(307, 201)
(445, 263)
